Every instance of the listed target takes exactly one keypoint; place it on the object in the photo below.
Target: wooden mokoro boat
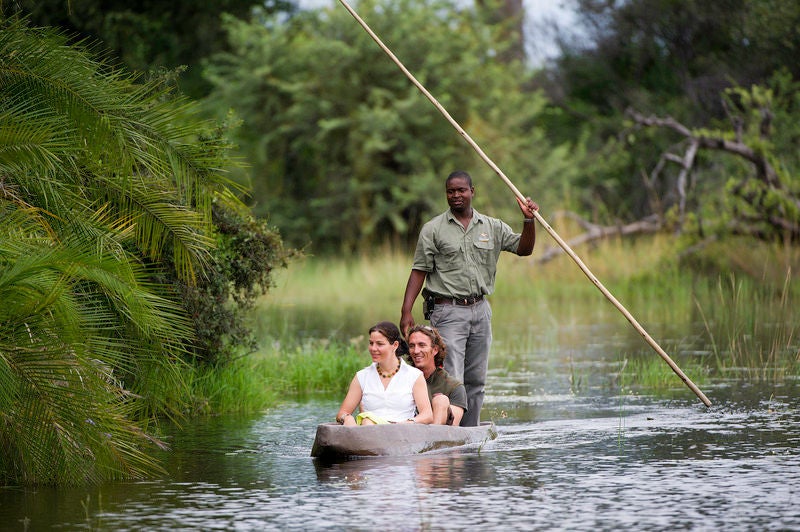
(337, 441)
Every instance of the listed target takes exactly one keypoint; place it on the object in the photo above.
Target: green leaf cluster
(758, 204)
(110, 192)
(147, 36)
(346, 153)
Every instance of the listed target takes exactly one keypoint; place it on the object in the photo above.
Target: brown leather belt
(460, 301)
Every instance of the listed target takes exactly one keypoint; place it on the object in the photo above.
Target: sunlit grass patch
(312, 326)
(653, 373)
(260, 380)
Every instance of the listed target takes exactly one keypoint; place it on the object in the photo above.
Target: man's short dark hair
(457, 174)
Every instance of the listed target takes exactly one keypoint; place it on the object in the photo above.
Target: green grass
(258, 381)
(652, 373)
(754, 332)
(313, 324)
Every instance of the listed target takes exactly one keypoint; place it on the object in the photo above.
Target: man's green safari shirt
(462, 262)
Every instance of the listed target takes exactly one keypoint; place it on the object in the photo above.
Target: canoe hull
(337, 441)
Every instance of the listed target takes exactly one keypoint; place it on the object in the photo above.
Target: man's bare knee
(441, 407)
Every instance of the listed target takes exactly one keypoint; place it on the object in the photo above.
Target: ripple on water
(561, 461)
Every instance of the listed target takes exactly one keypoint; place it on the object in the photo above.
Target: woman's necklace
(388, 375)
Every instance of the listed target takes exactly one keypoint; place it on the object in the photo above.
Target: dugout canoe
(337, 441)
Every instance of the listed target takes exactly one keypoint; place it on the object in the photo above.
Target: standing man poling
(456, 259)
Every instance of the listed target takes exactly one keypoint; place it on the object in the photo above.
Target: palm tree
(99, 175)
(76, 324)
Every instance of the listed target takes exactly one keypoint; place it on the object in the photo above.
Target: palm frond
(67, 118)
(67, 416)
(104, 183)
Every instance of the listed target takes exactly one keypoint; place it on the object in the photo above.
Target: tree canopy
(345, 151)
(721, 70)
(150, 35)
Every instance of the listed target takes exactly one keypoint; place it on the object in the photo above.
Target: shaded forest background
(161, 159)
(343, 153)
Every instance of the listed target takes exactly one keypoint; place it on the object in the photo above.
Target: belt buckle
(466, 302)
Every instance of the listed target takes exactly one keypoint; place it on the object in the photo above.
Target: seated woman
(447, 394)
(388, 390)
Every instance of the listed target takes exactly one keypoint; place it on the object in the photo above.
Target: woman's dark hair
(392, 333)
(436, 341)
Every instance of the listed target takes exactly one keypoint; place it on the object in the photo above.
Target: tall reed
(313, 325)
(753, 333)
(262, 379)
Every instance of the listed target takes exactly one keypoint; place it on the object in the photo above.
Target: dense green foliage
(247, 252)
(150, 35)
(673, 56)
(107, 188)
(345, 151)
(711, 66)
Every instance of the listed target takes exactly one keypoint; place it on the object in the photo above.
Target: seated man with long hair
(448, 396)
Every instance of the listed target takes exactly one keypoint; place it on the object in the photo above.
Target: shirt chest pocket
(483, 248)
(449, 258)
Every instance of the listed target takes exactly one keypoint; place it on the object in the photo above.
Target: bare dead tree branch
(763, 208)
(593, 232)
(764, 169)
(686, 166)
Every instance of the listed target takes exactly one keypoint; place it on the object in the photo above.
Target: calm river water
(574, 461)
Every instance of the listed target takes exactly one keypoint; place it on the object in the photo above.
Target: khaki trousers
(467, 332)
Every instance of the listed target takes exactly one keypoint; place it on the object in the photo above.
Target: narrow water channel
(562, 460)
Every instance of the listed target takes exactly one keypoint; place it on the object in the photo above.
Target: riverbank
(730, 312)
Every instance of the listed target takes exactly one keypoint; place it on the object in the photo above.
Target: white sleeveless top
(396, 402)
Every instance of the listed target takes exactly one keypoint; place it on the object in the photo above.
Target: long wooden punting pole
(538, 216)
